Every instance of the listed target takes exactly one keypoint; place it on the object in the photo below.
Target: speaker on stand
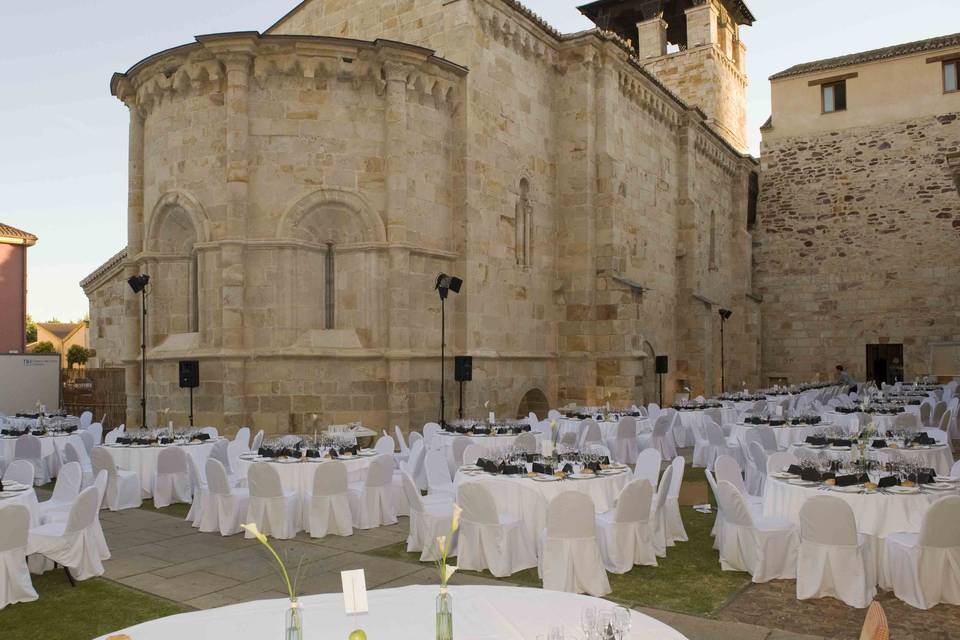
(661, 365)
(462, 372)
(190, 379)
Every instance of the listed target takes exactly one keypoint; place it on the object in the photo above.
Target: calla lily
(448, 572)
(455, 522)
(255, 532)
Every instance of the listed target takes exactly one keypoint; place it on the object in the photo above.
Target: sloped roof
(895, 51)
(106, 266)
(12, 235)
(60, 329)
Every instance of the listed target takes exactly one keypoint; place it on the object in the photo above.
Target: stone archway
(536, 401)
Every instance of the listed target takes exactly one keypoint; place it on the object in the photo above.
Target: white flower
(455, 523)
(442, 542)
(252, 528)
(448, 572)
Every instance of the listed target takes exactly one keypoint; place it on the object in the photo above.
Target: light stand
(444, 285)
(139, 285)
(660, 376)
(724, 316)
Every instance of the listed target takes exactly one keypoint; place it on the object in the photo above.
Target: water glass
(588, 619)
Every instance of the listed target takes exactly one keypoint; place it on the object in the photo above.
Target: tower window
(834, 96)
(951, 76)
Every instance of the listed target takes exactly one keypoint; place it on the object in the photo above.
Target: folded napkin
(795, 469)
(889, 481)
(811, 475)
(816, 440)
(542, 468)
(840, 442)
(846, 481)
(879, 444)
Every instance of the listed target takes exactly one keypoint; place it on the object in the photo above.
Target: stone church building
(293, 195)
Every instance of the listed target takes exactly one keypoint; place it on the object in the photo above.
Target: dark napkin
(568, 468)
(795, 469)
(889, 481)
(846, 481)
(811, 475)
(816, 440)
(879, 444)
(542, 468)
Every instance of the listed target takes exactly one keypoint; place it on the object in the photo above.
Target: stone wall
(856, 245)
(107, 302)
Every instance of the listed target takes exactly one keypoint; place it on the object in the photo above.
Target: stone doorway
(536, 401)
(884, 363)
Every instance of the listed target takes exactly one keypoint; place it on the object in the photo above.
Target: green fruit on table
(358, 634)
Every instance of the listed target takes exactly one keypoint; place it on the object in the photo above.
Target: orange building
(13, 288)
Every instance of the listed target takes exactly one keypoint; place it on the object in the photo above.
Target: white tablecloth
(939, 457)
(408, 613)
(443, 441)
(849, 420)
(51, 448)
(786, 436)
(297, 475)
(877, 515)
(26, 498)
(607, 429)
(142, 460)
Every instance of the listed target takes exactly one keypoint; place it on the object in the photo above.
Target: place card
(354, 591)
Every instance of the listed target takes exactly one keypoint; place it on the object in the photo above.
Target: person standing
(844, 378)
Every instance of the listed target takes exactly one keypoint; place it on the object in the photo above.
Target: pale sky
(63, 166)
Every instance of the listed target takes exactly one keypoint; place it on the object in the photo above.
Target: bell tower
(693, 47)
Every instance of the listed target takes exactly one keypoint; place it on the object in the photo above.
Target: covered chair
(15, 583)
(764, 548)
(768, 438)
(834, 560)
(27, 447)
(438, 474)
(780, 461)
(590, 433)
(257, 441)
(416, 464)
(726, 468)
(429, 519)
(20, 471)
(569, 553)
(701, 445)
(675, 529)
(648, 467)
(326, 509)
(275, 512)
(488, 538)
(718, 444)
(472, 453)
(65, 492)
(243, 437)
(88, 439)
(211, 431)
(430, 430)
(95, 430)
(123, 487)
(756, 467)
(525, 442)
(402, 443)
(202, 499)
(385, 445)
(625, 534)
(923, 569)
(71, 542)
(623, 444)
(660, 439)
(85, 419)
(79, 454)
(372, 502)
(229, 504)
(171, 482)
(658, 514)
(457, 447)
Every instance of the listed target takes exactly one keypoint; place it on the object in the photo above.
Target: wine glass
(622, 621)
(588, 619)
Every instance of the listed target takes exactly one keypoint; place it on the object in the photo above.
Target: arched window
(524, 225)
(713, 240)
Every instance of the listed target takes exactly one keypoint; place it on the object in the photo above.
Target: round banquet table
(142, 459)
(51, 448)
(527, 499)
(882, 422)
(608, 428)
(877, 514)
(786, 436)
(407, 613)
(26, 498)
(297, 474)
(938, 457)
(443, 441)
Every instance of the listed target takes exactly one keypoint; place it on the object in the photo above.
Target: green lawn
(177, 510)
(92, 608)
(688, 580)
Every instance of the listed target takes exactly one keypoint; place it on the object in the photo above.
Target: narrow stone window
(951, 76)
(524, 227)
(194, 293)
(713, 241)
(329, 291)
(834, 96)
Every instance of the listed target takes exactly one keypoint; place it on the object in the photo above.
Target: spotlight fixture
(446, 283)
(139, 283)
(725, 314)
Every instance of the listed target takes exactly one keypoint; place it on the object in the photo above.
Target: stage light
(138, 283)
(725, 314)
(446, 283)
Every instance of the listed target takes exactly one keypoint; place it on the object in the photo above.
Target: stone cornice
(292, 243)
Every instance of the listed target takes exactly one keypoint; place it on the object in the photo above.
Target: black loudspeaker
(463, 368)
(661, 364)
(189, 374)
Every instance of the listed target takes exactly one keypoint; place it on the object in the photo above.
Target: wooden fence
(102, 391)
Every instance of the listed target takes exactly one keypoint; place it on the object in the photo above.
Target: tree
(44, 347)
(31, 330)
(77, 355)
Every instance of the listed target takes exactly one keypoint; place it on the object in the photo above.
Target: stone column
(398, 299)
(652, 38)
(702, 25)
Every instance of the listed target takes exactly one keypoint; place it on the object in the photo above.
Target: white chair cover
(15, 583)
(727, 469)
(766, 549)
(623, 445)
(472, 453)
(416, 463)
(100, 484)
(243, 436)
(924, 569)
(675, 529)
(230, 503)
(658, 514)
(625, 534)
(85, 419)
(95, 430)
(590, 433)
(111, 437)
(701, 446)
(428, 521)
(327, 506)
(88, 439)
(404, 448)
(202, 499)
(27, 447)
(211, 431)
(123, 487)
(648, 467)
(65, 492)
(660, 439)
(385, 445)
(171, 481)
(257, 441)
(20, 471)
(489, 539)
(569, 554)
(372, 504)
(72, 542)
(780, 461)
(756, 467)
(438, 474)
(718, 444)
(429, 431)
(553, 414)
(834, 560)
(653, 410)
(716, 530)
(275, 512)
(525, 442)
(459, 445)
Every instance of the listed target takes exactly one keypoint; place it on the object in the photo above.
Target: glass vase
(293, 629)
(444, 615)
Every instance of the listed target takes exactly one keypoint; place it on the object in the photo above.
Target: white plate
(940, 486)
(367, 454)
(542, 478)
(946, 479)
(469, 467)
(582, 476)
(903, 490)
(854, 488)
(836, 448)
(802, 483)
(286, 460)
(783, 475)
